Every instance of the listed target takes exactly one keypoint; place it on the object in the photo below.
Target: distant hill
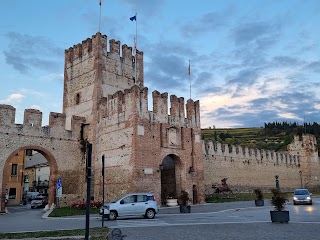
(273, 136)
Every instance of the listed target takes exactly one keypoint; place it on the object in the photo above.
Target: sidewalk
(211, 207)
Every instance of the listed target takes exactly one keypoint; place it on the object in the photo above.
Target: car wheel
(150, 213)
(112, 215)
(32, 206)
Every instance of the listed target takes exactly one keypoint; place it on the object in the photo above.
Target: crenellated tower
(100, 85)
(306, 147)
(92, 73)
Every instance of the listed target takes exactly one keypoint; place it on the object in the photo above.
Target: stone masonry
(248, 168)
(105, 105)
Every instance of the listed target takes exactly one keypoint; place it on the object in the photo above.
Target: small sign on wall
(140, 130)
(197, 138)
(148, 171)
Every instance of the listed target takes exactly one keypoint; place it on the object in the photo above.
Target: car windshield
(301, 192)
(39, 198)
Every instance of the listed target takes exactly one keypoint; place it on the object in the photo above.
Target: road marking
(141, 223)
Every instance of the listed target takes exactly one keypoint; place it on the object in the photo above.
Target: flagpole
(100, 3)
(135, 70)
(189, 78)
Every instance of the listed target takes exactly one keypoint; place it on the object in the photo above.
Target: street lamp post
(277, 182)
(102, 190)
(300, 173)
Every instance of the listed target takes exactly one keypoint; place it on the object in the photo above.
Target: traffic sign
(59, 180)
(58, 185)
(59, 192)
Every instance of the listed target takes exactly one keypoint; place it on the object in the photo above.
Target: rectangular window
(141, 198)
(12, 193)
(14, 169)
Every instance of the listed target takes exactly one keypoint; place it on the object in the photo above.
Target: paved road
(237, 220)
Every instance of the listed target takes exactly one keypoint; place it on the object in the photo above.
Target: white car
(302, 196)
(134, 204)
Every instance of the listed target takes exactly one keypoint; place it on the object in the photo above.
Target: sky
(251, 61)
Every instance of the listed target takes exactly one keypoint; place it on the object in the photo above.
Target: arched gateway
(9, 179)
(60, 147)
(176, 177)
(169, 170)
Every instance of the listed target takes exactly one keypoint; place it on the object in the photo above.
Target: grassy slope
(249, 137)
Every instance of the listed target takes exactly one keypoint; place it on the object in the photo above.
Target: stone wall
(106, 104)
(60, 147)
(247, 168)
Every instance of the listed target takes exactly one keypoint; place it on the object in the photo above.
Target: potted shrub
(259, 198)
(279, 201)
(183, 202)
(172, 201)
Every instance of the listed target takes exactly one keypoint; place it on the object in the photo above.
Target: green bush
(278, 200)
(258, 193)
(83, 204)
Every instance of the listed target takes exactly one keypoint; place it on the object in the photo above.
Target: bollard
(115, 234)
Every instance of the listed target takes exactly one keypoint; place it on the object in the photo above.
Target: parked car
(31, 195)
(134, 204)
(39, 201)
(302, 196)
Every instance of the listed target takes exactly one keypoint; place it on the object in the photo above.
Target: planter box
(280, 216)
(185, 209)
(259, 203)
(172, 202)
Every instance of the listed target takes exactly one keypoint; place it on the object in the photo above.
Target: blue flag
(134, 18)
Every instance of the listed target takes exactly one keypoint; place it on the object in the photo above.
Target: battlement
(86, 47)
(32, 123)
(122, 104)
(99, 42)
(211, 149)
(305, 140)
(7, 114)
(32, 117)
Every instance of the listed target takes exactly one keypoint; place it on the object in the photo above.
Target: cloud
(168, 68)
(244, 78)
(32, 92)
(262, 33)
(208, 22)
(149, 8)
(314, 66)
(36, 107)
(53, 77)
(13, 98)
(254, 96)
(26, 52)
(288, 115)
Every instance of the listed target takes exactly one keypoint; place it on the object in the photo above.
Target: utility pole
(102, 190)
(88, 178)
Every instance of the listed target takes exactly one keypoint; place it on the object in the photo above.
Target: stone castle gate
(161, 151)
(106, 103)
(60, 147)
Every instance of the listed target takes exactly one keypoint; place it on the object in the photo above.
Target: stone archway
(169, 172)
(52, 164)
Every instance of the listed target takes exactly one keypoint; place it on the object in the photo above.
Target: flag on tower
(189, 69)
(100, 2)
(134, 18)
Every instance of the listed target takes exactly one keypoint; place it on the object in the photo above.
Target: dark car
(302, 196)
(39, 201)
